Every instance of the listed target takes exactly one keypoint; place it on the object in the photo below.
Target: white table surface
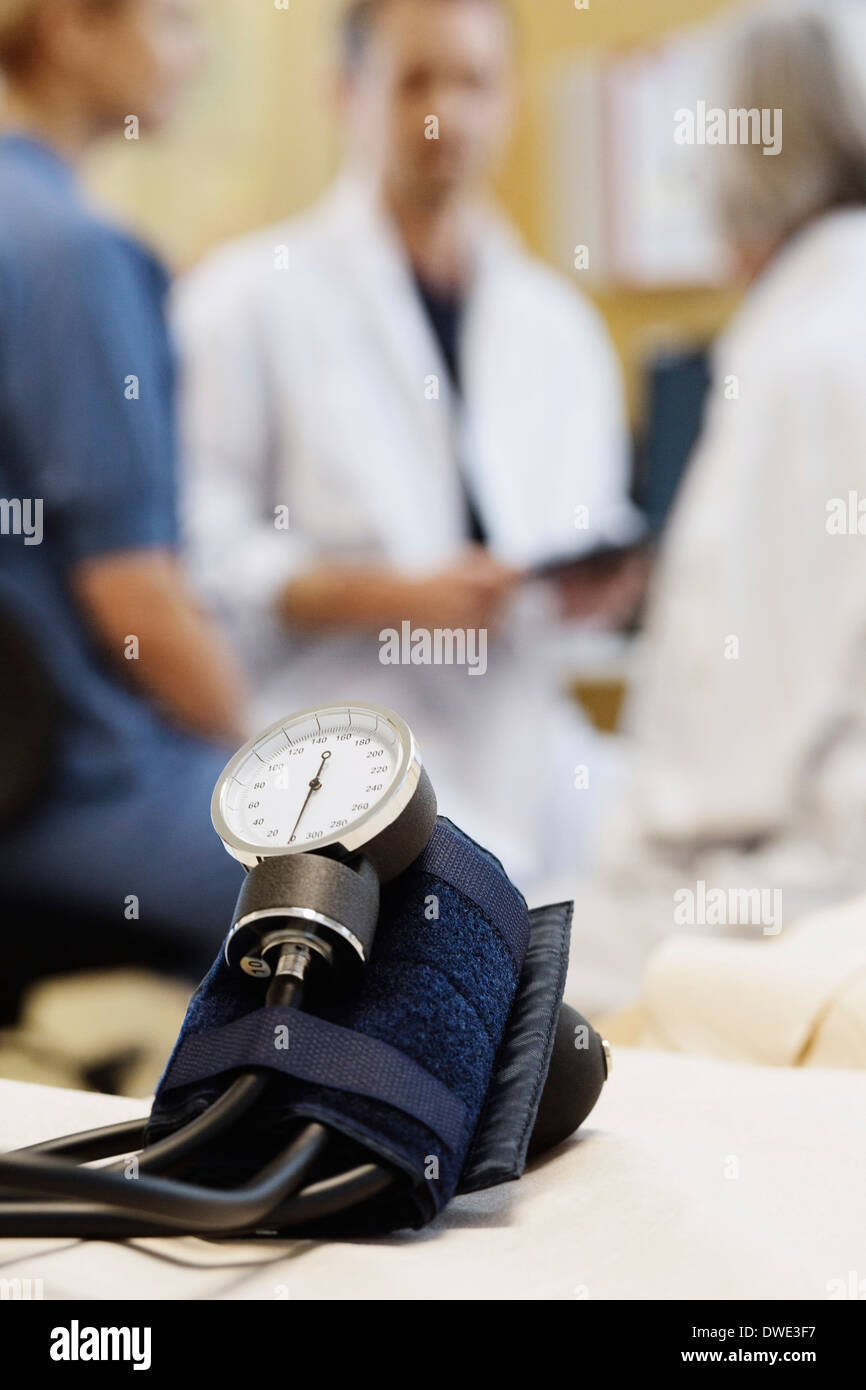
(693, 1179)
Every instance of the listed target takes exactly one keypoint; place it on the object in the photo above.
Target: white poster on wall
(631, 203)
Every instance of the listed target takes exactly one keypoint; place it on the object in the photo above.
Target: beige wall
(553, 30)
(257, 141)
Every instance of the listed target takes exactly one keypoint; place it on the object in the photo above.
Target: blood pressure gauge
(321, 808)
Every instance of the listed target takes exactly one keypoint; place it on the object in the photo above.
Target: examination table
(693, 1179)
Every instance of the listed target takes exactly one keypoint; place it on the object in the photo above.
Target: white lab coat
(749, 718)
(310, 377)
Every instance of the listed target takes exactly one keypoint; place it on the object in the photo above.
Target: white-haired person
(124, 817)
(747, 800)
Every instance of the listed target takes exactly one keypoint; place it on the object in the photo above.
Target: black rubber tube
(114, 1140)
(84, 1222)
(91, 1144)
(331, 1197)
(180, 1205)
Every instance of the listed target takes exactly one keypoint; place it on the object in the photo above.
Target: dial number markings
(307, 781)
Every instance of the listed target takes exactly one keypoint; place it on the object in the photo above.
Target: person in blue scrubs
(149, 701)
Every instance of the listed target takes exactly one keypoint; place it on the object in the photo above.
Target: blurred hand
(609, 595)
(467, 594)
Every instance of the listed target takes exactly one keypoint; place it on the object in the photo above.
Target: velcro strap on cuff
(313, 1049)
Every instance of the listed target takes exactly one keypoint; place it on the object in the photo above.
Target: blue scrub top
(81, 315)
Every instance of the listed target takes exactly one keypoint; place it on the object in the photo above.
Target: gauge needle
(315, 786)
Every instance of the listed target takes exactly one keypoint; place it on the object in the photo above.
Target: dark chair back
(29, 723)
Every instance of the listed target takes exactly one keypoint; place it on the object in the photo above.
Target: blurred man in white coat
(747, 806)
(392, 415)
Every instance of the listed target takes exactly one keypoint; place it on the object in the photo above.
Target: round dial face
(311, 779)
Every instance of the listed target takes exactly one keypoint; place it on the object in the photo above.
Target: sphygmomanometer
(383, 1027)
